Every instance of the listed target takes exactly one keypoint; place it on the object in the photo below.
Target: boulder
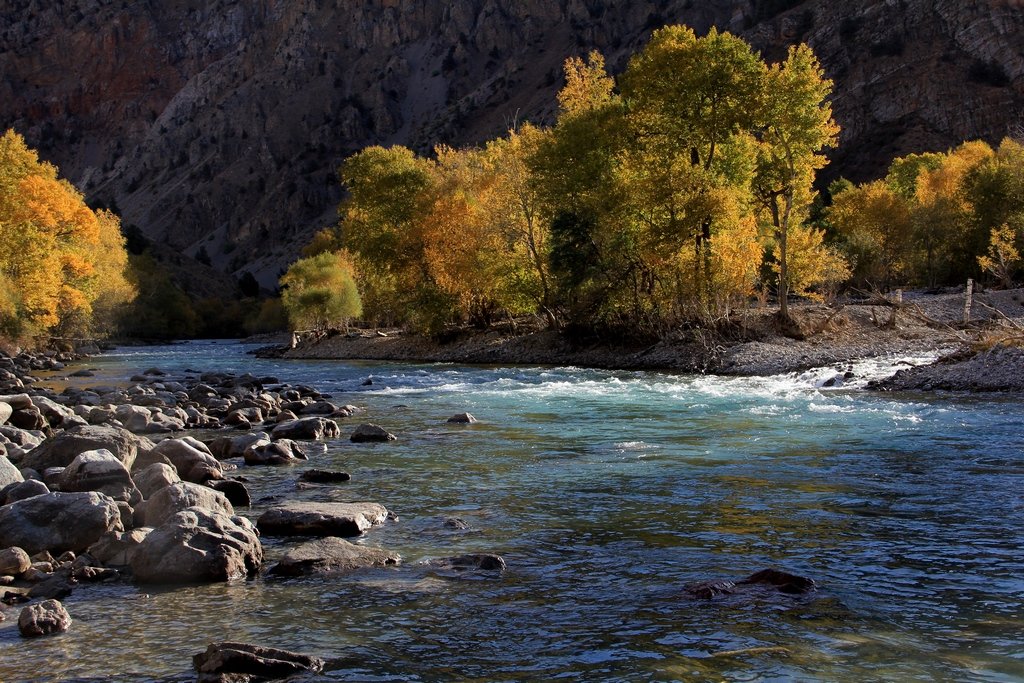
(280, 452)
(321, 519)
(155, 477)
(307, 428)
(191, 458)
(235, 491)
(198, 545)
(783, 581)
(56, 414)
(238, 661)
(9, 474)
(60, 450)
(5, 412)
(43, 619)
(324, 476)
(58, 521)
(17, 401)
(462, 419)
(371, 433)
(331, 555)
(225, 447)
(172, 499)
(470, 562)
(100, 471)
(22, 490)
(14, 561)
(117, 548)
(28, 418)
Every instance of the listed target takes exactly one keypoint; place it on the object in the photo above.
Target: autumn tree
(319, 292)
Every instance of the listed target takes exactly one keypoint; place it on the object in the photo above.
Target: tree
(320, 292)
(876, 224)
(797, 127)
(1002, 257)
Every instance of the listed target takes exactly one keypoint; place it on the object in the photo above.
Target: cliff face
(218, 125)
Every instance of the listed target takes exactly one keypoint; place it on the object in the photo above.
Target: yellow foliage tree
(1002, 257)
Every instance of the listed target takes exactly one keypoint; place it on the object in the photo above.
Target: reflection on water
(607, 493)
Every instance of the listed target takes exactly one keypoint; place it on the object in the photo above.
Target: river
(607, 493)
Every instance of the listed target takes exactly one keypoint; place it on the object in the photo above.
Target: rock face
(331, 555)
(58, 522)
(43, 619)
(198, 545)
(321, 519)
(228, 121)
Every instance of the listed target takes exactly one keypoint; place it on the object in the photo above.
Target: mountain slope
(219, 125)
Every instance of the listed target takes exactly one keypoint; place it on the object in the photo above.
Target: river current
(607, 493)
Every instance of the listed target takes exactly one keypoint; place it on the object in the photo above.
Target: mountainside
(217, 127)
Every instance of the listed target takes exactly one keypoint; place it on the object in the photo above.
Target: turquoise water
(607, 493)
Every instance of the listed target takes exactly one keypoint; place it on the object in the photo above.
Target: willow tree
(795, 129)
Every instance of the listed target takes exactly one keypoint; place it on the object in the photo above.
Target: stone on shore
(14, 561)
(197, 545)
(22, 490)
(331, 554)
(371, 433)
(183, 495)
(155, 477)
(234, 490)
(60, 450)
(117, 548)
(225, 447)
(191, 458)
(321, 519)
(280, 452)
(9, 474)
(58, 521)
(46, 618)
(239, 661)
(5, 412)
(100, 471)
(306, 429)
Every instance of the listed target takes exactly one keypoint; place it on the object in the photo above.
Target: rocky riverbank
(752, 345)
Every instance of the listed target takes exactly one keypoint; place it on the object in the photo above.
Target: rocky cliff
(217, 126)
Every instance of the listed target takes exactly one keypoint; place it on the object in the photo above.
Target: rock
(321, 519)
(324, 476)
(235, 491)
(43, 619)
(221, 660)
(331, 555)
(280, 452)
(198, 545)
(52, 586)
(94, 574)
(225, 447)
(475, 561)
(58, 521)
(100, 471)
(117, 548)
(191, 458)
(82, 373)
(318, 408)
(56, 414)
(371, 433)
(783, 581)
(455, 523)
(155, 477)
(5, 411)
(172, 499)
(154, 372)
(9, 474)
(462, 418)
(707, 590)
(28, 418)
(23, 490)
(307, 428)
(17, 401)
(60, 450)
(14, 561)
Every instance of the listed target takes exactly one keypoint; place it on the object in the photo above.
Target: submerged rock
(321, 519)
(324, 476)
(371, 433)
(784, 582)
(306, 429)
(470, 562)
(221, 660)
(462, 418)
(331, 555)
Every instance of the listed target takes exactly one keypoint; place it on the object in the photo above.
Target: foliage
(320, 292)
(1002, 257)
(65, 262)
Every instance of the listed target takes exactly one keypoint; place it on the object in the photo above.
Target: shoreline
(827, 336)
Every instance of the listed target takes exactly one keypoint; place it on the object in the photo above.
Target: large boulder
(22, 490)
(117, 548)
(332, 554)
(306, 429)
(58, 521)
(191, 458)
(235, 661)
(321, 519)
(5, 411)
(100, 471)
(198, 545)
(172, 499)
(60, 450)
(280, 452)
(225, 447)
(43, 619)
(9, 474)
(155, 477)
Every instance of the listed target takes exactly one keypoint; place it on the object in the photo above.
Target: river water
(607, 493)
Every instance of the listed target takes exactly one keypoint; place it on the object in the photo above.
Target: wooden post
(968, 295)
(899, 297)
